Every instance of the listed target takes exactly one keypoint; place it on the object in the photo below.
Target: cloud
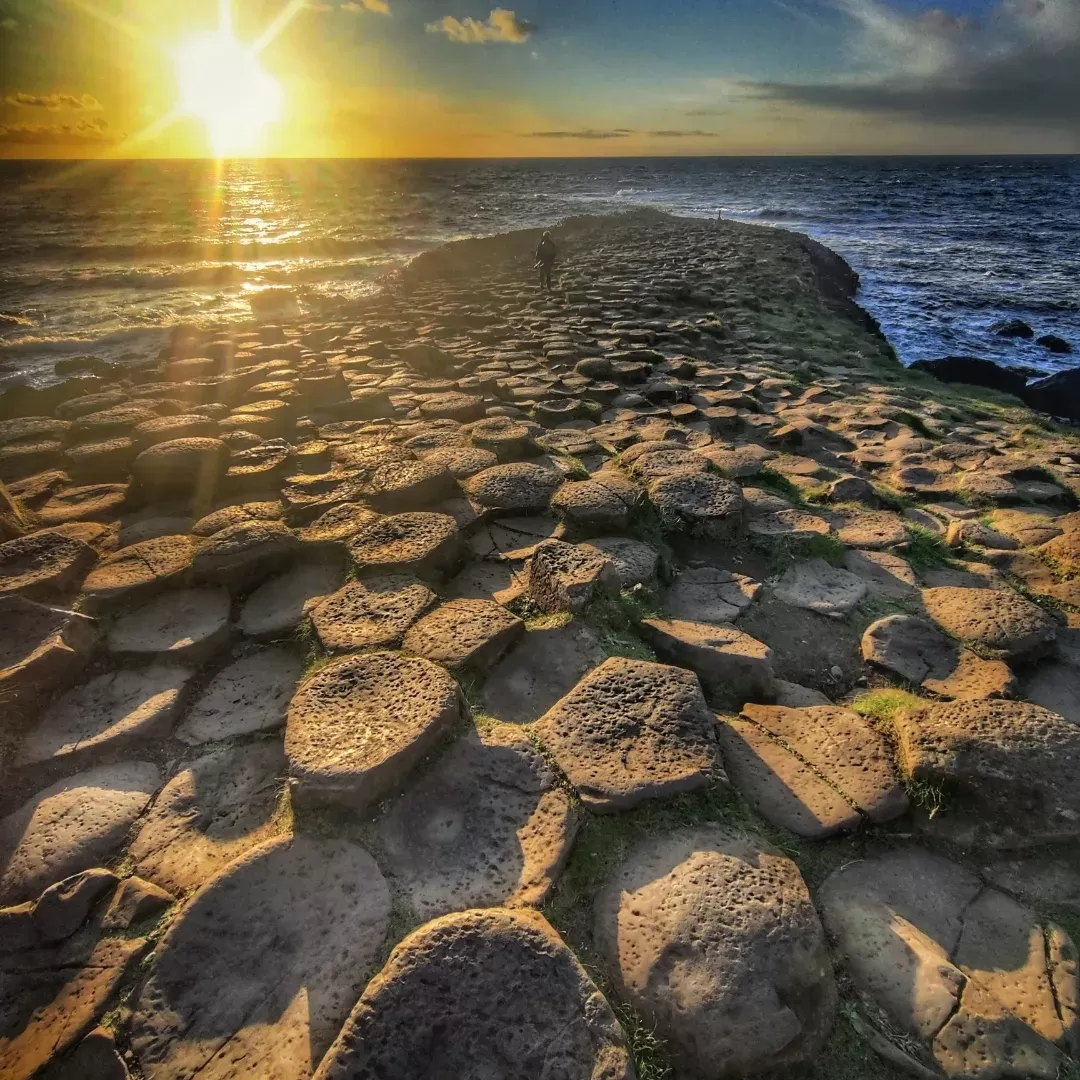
(692, 134)
(587, 133)
(54, 102)
(382, 7)
(85, 131)
(1018, 65)
(501, 25)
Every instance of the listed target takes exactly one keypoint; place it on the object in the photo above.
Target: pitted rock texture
(359, 725)
(997, 620)
(517, 488)
(44, 565)
(485, 827)
(1016, 764)
(701, 502)
(257, 974)
(632, 730)
(428, 545)
(567, 577)
(138, 571)
(713, 938)
(244, 555)
(530, 1009)
(465, 635)
(636, 562)
(372, 612)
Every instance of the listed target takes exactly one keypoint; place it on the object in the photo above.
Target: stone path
(363, 676)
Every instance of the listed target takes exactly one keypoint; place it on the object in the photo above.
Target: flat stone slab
(485, 827)
(1017, 764)
(531, 1010)
(999, 621)
(280, 603)
(630, 731)
(635, 562)
(244, 555)
(713, 938)
(428, 545)
(43, 565)
(537, 672)
(77, 823)
(90, 502)
(951, 961)
(885, 575)
(138, 571)
(359, 725)
(916, 650)
(215, 809)
(372, 612)
(257, 974)
(465, 635)
(816, 585)
(706, 594)
(119, 708)
(479, 580)
(251, 694)
(185, 626)
(519, 487)
(871, 530)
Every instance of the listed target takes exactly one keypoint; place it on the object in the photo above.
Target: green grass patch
(770, 480)
(535, 617)
(917, 424)
(891, 499)
(883, 705)
(614, 621)
(925, 550)
(785, 551)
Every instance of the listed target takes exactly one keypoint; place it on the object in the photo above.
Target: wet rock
(815, 585)
(525, 984)
(215, 809)
(485, 827)
(709, 595)
(518, 488)
(251, 694)
(373, 612)
(1017, 764)
(359, 725)
(244, 555)
(116, 709)
(133, 901)
(74, 825)
(567, 577)
(43, 565)
(703, 503)
(713, 938)
(1014, 328)
(630, 731)
(257, 974)
(139, 571)
(465, 635)
(62, 908)
(998, 621)
(1054, 343)
(427, 545)
(186, 626)
(918, 651)
(547, 664)
(280, 602)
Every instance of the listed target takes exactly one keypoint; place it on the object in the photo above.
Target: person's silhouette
(546, 253)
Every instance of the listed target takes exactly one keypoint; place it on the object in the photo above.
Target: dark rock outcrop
(973, 370)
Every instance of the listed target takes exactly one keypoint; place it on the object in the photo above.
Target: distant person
(546, 253)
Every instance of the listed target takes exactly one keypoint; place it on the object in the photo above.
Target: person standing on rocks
(546, 253)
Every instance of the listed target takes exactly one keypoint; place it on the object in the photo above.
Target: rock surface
(373, 612)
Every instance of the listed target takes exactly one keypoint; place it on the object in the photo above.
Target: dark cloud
(1020, 65)
(693, 134)
(54, 102)
(587, 133)
(85, 131)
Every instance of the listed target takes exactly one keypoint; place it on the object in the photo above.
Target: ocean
(102, 258)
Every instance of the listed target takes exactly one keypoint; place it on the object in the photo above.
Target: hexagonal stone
(181, 467)
(256, 975)
(567, 577)
(138, 571)
(587, 504)
(44, 564)
(486, 826)
(706, 594)
(815, 585)
(790, 525)
(75, 824)
(359, 725)
(519, 488)
(245, 555)
(410, 485)
(41, 648)
(461, 462)
(997, 620)
(462, 635)
(280, 602)
(373, 612)
(751, 988)
(885, 575)
(118, 708)
(215, 809)
(428, 545)
(92, 502)
(188, 625)
(704, 503)
(632, 730)
(525, 985)
(337, 525)
(635, 562)
(250, 694)
(1016, 764)
(870, 529)
(507, 439)
(238, 514)
(452, 406)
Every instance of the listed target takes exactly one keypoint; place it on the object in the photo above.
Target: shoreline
(472, 612)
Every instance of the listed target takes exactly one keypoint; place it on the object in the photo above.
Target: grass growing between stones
(614, 622)
(776, 482)
(786, 551)
(925, 551)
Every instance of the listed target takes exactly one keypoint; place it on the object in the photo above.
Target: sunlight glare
(222, 84)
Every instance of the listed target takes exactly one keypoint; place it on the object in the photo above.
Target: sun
(222, 84)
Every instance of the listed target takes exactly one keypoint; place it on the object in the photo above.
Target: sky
(549, 78)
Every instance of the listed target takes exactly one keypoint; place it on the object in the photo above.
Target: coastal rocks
(1055, 344)
(244, 555)
(75, 824)
(713, 938)
(918, 651)
(587, 504)
(870, 530)
(251, 694)
(949, 961)
(636, 562)
(485, 827)
(117, 708)
(465, 635)
(974, 371)
(62, 908)
(134, 900)
(359, 725)
(1012, 328)
(257, 974)
(372, 612)
(210, 813)
(280, 602)
(516, 488)
(43, 565)
(566, 577)
(185, 626)
(709, 595)
(815, 585)
(90, 502)
(816, 770)
(138, 571)
(630, 731)
(410, 485)
(531, 1010)
(181, 467)
(998, 621)
(703, 503)
(1016, 764)
(424, 544)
